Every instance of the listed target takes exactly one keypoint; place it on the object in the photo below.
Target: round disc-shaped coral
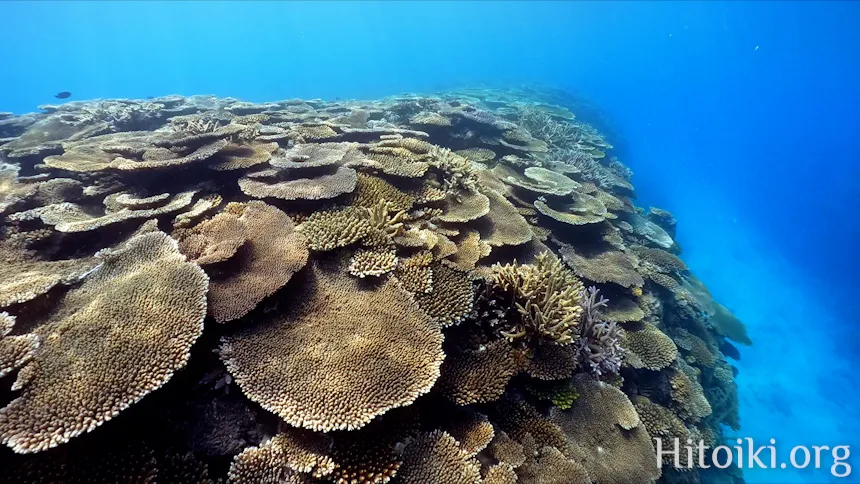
(341, 354)
(114, 339)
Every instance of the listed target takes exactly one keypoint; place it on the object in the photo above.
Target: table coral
(147, 304)
(340, 355)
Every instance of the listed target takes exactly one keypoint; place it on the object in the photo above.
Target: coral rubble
(451, 288)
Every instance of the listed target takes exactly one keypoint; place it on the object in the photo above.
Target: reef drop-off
(424, 289)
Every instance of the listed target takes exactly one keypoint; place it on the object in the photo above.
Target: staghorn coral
(273, 251)
(451, 297)
(478, 376)
(384, 227)
(339, 355)
(648, 348)
(147, 305)
(457, 172)
(435, 458)
(546, 296)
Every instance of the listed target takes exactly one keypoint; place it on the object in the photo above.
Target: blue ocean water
(741, 118)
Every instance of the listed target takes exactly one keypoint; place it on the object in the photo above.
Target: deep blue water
(742, 118)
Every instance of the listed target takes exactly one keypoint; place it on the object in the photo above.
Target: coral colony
(454, 288)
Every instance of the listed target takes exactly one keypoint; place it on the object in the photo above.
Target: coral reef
(448, 288)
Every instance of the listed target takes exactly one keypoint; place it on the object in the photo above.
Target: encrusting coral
(446, 288)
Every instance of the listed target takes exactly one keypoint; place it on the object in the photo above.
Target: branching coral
(598, 339)
(457, 172)
(546, 296)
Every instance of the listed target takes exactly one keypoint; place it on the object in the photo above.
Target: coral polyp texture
(445, 288)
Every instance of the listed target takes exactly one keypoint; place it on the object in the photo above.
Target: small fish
(62, 95)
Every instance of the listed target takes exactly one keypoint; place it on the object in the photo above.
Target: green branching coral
(546, 296)
(561, 393)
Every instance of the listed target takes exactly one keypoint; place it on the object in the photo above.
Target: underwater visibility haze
(429, 242)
